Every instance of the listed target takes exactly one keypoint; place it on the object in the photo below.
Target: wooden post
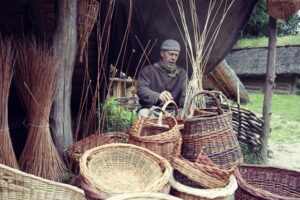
(65, 45)
(269, 85)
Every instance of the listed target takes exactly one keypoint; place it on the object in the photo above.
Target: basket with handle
(76, 150)
(161, 135)
(144, 196)
(179, 120)
(211, 131)
(267, 183)
(118, 168)
(18, 185)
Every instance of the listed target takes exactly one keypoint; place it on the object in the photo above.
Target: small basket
(76, 150)
(160, 135)
(267, 183)
(123, 168)
(18, 185)
(144, 196)
(186, 192)
(211, 130)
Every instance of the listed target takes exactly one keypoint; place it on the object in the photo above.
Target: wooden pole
(65, 45)
(269, 85)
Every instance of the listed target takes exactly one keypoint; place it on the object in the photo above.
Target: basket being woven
(160, 135)
(267, 183)
(213, 132)
(76, 150)
(18, 185)
(123, 168)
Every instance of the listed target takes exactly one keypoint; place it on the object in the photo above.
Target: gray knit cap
(170, 45)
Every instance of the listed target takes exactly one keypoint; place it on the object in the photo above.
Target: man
(162, 81)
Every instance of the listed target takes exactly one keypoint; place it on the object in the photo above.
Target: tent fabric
(152, 21)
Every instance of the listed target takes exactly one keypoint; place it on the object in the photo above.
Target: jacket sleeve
(143, 87)
(184, 81)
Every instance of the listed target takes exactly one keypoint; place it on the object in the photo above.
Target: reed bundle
(35, 81)
(87, 17)
(199, 42)
(7, 155)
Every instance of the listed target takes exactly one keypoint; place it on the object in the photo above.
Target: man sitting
(163, 81)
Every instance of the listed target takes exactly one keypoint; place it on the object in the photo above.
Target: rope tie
(34, 126)
(3, 130)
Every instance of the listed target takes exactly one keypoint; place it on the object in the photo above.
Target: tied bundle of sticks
(35, 75)
(7, 155)
(199, 41)
(86, 19)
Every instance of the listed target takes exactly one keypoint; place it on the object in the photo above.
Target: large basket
(76, 150)
(123, 168)
(160, 135)
(143, 196)
(211, 130)
(267, 183)
(190, 193)
(17, 185)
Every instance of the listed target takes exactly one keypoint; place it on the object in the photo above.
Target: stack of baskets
(267, 183)
(160, 135)
(113, 169)
(211, 130)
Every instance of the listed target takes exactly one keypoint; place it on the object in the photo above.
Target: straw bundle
(87, 16)
(35, 81)
(7, 155)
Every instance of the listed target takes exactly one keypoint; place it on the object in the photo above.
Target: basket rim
(213, 193)
(147, 195)
(158, 184)
(259, 192)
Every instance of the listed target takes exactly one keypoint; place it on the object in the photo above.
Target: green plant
(114, 117)
(250, 156)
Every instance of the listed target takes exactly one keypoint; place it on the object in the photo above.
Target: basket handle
(166, 105)
(219, 109)
(160, 115)
(221, 94)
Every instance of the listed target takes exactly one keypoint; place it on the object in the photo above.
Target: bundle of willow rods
(87, 17)
(7, 155)
(35, 75)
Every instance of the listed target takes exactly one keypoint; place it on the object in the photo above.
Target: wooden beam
(269, 85)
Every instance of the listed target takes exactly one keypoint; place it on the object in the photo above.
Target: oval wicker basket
(267, 183)
(160, 135)
(185, 192)
(144, 196)
(123, 168)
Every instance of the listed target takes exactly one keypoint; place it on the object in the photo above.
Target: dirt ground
(285, 155)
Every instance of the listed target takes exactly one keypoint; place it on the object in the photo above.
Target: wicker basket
(199, 174)
(212, 131)
(123, 168)
(186, 192)
(76, 150)
(17, 185)
(267, 183)
(143, 196)
(160, 135)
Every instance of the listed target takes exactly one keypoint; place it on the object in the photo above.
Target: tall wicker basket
(212, 131)
(267, 183)
(87, 16)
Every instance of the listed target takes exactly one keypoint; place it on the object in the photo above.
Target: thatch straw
(35, 81)
(7, 155)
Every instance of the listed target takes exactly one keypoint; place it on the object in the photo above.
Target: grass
(263, 42)
(285, 119)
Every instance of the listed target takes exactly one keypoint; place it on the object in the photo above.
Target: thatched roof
(254, 61)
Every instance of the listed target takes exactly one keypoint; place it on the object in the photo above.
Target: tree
(259, 21)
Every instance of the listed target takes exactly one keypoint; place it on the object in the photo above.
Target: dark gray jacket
(152, 81)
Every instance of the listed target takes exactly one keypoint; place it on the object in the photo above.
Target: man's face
(169, 57)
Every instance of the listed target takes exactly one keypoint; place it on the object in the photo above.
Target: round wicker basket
(123, 168)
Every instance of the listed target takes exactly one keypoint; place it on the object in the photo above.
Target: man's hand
(165, 96)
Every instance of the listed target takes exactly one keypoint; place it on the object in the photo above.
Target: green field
(285, 119)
